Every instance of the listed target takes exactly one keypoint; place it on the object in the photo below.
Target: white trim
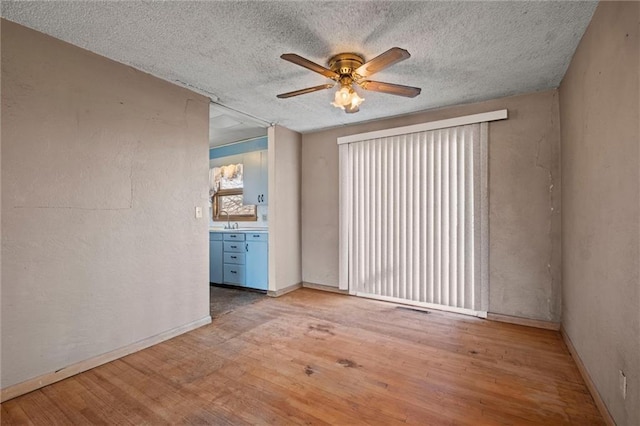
(273, 208)
(242, 116)
(284, 291)
(432, 125)
(480, 314)
(344, 218)
(527, 322)
(484, 216)
(323, 287)
(73, 369)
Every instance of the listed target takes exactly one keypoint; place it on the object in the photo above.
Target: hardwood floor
(312, 357)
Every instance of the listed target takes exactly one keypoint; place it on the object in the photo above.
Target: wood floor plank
(12, 414)
(318, 358)
(41, 411)
(70, 398)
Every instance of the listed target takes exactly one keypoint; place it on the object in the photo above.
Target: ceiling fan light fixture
(347, 98)
(349, 70)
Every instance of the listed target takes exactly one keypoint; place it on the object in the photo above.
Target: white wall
(285, 267)
(102, 167)
(524, 207)
(599, 109)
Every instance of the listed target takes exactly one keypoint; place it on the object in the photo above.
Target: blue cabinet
(233, 257)
(239, 258)
(215, 257)
(257, 260)
(255, 178)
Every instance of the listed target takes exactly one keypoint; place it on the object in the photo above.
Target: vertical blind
(410, 218)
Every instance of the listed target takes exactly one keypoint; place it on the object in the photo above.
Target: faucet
(228, 222)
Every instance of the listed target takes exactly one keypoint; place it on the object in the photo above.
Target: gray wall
(102, 166)
(285, 264)
(599, 99)
(524, 217)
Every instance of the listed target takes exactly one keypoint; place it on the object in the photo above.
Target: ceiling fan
(349, 69)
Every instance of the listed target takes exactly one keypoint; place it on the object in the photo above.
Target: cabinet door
(264, 178)
(255, 178)
(257, 265)
(251, 178)
(215, 262)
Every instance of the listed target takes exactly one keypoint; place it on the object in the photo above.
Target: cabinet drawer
(237, 258)
(257, 236)
(234, 274)
(215, 236)
(233, 247)
(234, 237)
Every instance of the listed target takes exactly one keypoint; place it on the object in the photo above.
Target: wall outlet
(623, 384)
(264, 217)
(198, 212)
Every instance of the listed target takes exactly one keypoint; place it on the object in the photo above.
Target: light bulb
(355, 100)
(341, 98)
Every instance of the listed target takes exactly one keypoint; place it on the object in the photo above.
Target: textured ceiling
(228, 126)
(461, 51)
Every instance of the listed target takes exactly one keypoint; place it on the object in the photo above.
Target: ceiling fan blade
(392, 89)
(305, 91)
(388, 58)
(299, 60)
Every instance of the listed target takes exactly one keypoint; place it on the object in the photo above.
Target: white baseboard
(73, 369)
(282, 291)
(324, 288)
(587, 380)
(547, 325)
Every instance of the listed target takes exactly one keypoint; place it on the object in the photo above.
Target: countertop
(241, 230)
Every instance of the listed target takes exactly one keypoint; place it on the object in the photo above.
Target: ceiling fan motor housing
(345, 63)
